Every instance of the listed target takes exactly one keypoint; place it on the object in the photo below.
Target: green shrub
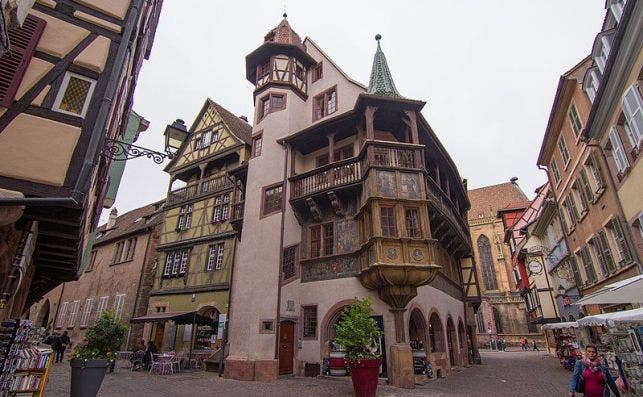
(357, 332)
(101, 339)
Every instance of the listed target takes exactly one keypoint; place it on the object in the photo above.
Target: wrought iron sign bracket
(122, 151)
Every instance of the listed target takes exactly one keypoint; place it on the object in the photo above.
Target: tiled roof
(130, 222)
(284, 34)
(237, 126)
(381, 82)
(487, 201)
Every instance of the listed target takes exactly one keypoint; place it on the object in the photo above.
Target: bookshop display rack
(24, 363)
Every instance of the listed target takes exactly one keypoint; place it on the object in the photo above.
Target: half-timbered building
(66, 86)
(348, 193)
(197, 241)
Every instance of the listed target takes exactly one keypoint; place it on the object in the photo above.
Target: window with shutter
(554, 171)
(618, 151)
(574, 266)
(619, 237)
(633, 111)
(564, 153)
(13, 64)
(596, 172)
(574, 119)
(607, 251)
(586, 188)
(588, 265)
(580, 197)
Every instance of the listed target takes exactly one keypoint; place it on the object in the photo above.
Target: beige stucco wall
(37, 149)
(59, 37)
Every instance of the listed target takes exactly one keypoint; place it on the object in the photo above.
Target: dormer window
(601, 49)
(591, 83)
(616, 8)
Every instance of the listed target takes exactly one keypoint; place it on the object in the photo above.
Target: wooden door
(158, 335)
(286, 347)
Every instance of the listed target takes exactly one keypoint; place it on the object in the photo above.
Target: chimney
(111, 221)
(244, 118)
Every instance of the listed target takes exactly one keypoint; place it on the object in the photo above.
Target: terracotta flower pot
(364, 375)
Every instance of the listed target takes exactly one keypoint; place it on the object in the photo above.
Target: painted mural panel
(346, 236)
(329, 269)
(409, 186)
(386, 185)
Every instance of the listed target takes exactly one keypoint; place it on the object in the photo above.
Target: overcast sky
(488, 70)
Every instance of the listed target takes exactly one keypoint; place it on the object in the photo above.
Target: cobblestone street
(502, 374)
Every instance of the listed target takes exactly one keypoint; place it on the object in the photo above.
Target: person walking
(535, 345)
(63, 342)
(594, 377)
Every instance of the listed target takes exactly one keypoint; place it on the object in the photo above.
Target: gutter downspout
(281, 250)
(98, 132)
(138, 288)
(621, 212)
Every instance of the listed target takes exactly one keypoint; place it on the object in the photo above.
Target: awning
(634, 315)
(177, 317)
(625, 291)
(569, 324)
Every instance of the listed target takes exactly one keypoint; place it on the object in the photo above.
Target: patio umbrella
(625, 291)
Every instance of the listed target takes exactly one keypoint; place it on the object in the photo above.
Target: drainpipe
(281, 250)
(140, 282)
(621, 212)
(97, 135)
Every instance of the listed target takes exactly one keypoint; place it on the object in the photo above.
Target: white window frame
(119, 302)
(555, 171)
(640, 220)
(574, 119)
(102, 305)
(602, 51)
(631, 110)
(73, 314)
(63, 89)
(61, 315)
(219, 259)
(618, 151)
(185, 257)
(87, 310)
(564, 153)
(591, 83)
(167, 269)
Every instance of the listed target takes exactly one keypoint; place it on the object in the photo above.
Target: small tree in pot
(90, 360)
(359, 335)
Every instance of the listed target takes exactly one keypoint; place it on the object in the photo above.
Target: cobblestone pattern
(502, 374)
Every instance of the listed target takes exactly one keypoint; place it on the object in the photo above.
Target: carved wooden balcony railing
(345, 172)
(237, 212)
(200, 188)
(440, 200)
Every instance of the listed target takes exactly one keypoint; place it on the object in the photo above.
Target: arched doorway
(462, 340)
(42, 319)
(451, 342)
(436, 334)
(417, 329)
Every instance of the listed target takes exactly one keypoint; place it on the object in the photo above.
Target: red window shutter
(13, 64)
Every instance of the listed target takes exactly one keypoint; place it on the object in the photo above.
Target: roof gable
(488, 200)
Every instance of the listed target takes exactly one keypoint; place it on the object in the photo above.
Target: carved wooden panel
(329, 269)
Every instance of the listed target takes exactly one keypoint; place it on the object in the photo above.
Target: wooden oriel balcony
(200, 188)
(352, 170)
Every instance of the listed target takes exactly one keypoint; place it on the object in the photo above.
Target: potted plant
(358, 334)
(90, 360)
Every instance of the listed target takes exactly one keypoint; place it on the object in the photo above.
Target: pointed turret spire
(381, 80)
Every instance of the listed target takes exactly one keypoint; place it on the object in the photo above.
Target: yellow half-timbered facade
(197, 241)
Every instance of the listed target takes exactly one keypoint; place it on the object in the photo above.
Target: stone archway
(418, 329)
(462, 340)
(327, 328)
(436, 334)
(42, 319)
(452, 342)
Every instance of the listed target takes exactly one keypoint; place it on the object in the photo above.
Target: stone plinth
(400, 373)
(239, 368)
(266, 370)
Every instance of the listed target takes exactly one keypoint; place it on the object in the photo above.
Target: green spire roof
(381, 80)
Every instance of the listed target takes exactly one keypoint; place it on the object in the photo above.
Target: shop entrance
(159, 331)
(286, 347)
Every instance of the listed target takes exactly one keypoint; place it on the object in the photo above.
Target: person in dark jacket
(151, 349)
(63, 342)
(597, 378)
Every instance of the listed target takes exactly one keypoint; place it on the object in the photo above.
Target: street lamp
(175, 134)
